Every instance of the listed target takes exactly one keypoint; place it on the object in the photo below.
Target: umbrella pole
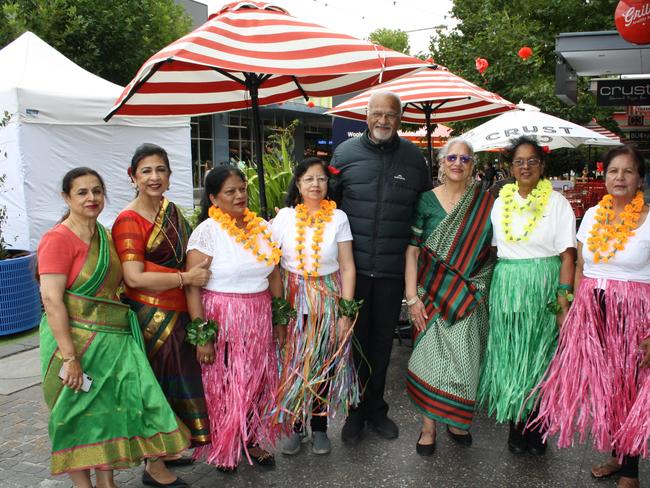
(258, 142)
(427, 118)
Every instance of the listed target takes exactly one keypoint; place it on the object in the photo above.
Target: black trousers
(382, 300)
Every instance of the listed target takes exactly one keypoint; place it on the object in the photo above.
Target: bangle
(563, 286)
(563, 292)
(70, 359)
(281, 311)
(412, 301)
(180, 280)
(199, 332)
(349, 308)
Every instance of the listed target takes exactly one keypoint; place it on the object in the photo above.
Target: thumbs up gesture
(198, 275)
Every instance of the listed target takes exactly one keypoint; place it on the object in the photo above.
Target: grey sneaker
(320, 443)
(291, 444)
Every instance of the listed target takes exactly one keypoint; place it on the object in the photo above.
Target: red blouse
(61, 251)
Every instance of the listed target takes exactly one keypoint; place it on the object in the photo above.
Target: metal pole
(427, 118)
(258, 141)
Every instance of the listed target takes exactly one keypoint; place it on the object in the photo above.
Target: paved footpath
(24, 454)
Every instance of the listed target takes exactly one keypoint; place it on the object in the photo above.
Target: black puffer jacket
(377, 187)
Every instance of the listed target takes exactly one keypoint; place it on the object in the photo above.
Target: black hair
(293, 197)
(73, 174)
(214, 183)
(145, 150)
(629, 150)
(523, 141)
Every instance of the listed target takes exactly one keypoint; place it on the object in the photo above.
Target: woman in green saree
(120, 416)
(448, 269)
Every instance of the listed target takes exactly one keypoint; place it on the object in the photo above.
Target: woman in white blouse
(534, 233)
(318, 375)
(598, 383)
(240, 367)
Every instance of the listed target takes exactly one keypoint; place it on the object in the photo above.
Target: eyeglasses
(377, 114)
(532, 162)
(451, 158)
(308, 180)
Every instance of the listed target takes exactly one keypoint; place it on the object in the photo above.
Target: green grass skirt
(523, 335)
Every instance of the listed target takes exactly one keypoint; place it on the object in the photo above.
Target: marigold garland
(535, 203)
(606, 234)
(317, 221)
(248, 237)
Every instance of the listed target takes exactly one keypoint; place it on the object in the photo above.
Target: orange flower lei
(318, 221)
(605, 230)
(248, 238)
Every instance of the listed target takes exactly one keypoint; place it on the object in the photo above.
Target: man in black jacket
(377, 183)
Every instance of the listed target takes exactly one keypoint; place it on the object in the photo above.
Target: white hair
(385, 93)
(442, 154)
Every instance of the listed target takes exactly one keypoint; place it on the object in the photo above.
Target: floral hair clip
(546, 149)
(333, 171)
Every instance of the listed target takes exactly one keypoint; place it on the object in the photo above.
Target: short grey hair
(385, 93)
(442, 154)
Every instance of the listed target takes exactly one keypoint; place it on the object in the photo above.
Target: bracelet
(71, 358)
(563, 292)
(281, 311)
(563, 286)
(199, 331)
(349, 308)
(412, 301)
(180, 280)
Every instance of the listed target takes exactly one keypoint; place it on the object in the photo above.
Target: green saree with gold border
(124, 417)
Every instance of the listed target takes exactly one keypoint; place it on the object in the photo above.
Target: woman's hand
(205, 353)
(198, 275)
(418, 316)
(343, 327)
(564, 310)
(645, 348)
(73, 374)
(280, 334)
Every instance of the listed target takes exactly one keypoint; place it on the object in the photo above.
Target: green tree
(109, 38)
(497, 29)
(394, 39)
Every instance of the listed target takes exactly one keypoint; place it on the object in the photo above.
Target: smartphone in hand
(87, 380)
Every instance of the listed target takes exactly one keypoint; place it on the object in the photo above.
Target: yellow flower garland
(248, 238)
(534, 204)
(318, 221)
(605, 232)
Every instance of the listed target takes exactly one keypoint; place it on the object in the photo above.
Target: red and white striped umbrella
(430, 96)
(251, 54)
(596, 127)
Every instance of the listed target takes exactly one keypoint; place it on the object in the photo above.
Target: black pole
(427, 118)
(258, 141)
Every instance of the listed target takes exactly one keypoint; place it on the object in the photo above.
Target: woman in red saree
(151, 236)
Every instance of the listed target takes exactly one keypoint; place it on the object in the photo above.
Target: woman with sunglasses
(448, 269)
(534, 233)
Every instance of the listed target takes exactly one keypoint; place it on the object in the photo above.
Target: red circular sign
(632, 19)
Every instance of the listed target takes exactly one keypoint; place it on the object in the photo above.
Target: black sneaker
(536, 445)
(516, 439)
(352, 431)
(385, 427)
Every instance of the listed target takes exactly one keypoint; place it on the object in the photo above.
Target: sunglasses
(451, 158)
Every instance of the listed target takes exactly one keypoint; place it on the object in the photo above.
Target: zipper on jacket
(380, 195)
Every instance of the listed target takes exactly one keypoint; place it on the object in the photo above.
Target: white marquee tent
(57, 111)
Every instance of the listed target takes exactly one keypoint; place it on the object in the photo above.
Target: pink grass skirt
(240, 385)
(594, 384)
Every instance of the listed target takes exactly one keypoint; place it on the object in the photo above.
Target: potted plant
(20, 306)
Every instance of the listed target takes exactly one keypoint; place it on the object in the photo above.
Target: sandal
(605, 469)
(264, 458)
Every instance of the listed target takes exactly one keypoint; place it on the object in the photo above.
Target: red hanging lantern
(481, 65)
(310, 104)
(632, 18)
(525, 53)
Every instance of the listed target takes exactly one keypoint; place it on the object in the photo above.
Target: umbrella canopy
(429, 97)
(528, 120)
(596, 127)
(251, 54)
(419, 137)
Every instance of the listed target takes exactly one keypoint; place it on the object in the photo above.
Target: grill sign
(623, 92)
(632, 19)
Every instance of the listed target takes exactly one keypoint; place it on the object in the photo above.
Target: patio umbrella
(250, 54)
(419, 137)
(429, 97)
(549, 131)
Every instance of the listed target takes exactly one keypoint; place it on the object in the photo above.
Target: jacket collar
(385, 146)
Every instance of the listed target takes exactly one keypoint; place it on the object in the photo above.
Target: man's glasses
(376, 115)
(452, 158)
(532, 162)
(308, 180)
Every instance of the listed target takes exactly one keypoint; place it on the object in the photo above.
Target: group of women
(233, 334)
(197, 352)
(513, 335)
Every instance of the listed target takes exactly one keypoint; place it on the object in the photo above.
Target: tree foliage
(497, 29)
(394, 39)
(109, 38)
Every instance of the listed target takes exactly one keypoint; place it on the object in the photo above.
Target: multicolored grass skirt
(317, 364)
(594, 385)
(240, 385)
(522, 337)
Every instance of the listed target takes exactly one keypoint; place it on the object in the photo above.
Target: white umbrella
(528, 120)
